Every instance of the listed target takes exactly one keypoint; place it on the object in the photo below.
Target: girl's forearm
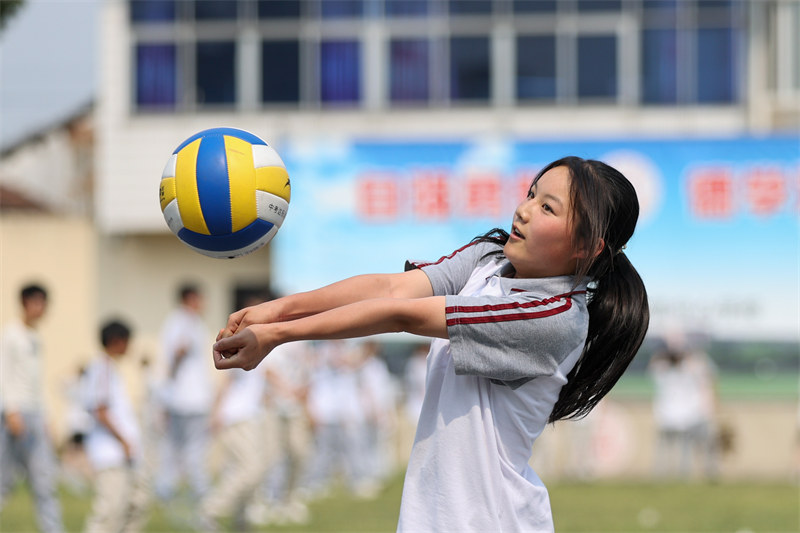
(420, 316)
(351, 290)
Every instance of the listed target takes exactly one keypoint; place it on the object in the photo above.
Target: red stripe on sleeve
(512, 305)
(485, 319)
(420, 265)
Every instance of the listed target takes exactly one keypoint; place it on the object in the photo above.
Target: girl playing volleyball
(529, 327)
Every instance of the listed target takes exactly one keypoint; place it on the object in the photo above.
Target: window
(215, 9)
(406, 8)
(597, 67)
(470, 7)
(341, 8)
(280, 71)
(535, 6)
(536, 67)
(216, 72)
(599, 5)
(278, 9)
(408, 74)
(156, 75)
(716, 77)
(469, 68)
(659, 66)
(340, 72)
(152, 10)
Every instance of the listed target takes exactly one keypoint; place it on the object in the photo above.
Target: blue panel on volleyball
(212, 184)
(230, 242)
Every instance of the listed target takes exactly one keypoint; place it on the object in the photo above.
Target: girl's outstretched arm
(249, 345)
(411, 284)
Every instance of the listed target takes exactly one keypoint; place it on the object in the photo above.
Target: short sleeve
(516, 338)
(450, 274)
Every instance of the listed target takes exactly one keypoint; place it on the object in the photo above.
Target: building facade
(320, 78)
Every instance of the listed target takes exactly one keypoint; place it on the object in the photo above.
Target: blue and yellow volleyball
(225, 192)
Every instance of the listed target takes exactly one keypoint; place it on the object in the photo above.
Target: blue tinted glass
(597, 67)
(278, 9)
(152, 10)
(469, 68)
(599, 5)
(714, 4)
(340, 73)
(659, 67)
(536, 67)
(280, 71)
(409, 71)
(215, 9)
(342, 8)
(534, 6)
(716, 67)
(659, 5)
(406, 8)
(216, 72)
(470, 7)
(155, 75)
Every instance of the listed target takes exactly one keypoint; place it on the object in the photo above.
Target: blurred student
(114, 442)
(24, 443)
(188, 395)
(288, 373)
(684, 408)
(238, 418)
(337, 415)
(379, 399)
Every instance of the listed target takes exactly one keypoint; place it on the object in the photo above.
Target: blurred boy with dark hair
(114, 443)
(24, 442)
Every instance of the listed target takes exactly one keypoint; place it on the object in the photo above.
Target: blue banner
(717, 242)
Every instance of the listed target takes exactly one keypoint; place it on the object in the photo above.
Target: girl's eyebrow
(554, 199)
(551, 198)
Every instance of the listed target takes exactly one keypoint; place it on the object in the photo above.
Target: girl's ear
(583, 251)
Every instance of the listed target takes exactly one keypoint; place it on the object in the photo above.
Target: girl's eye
(547, 207)
(530, 195)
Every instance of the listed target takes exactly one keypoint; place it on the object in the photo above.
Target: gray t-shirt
(490, 390)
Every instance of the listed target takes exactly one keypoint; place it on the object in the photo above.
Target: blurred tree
(7, 10)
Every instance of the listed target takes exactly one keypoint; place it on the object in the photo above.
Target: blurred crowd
(209, 447)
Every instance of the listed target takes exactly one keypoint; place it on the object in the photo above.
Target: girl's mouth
(515, 233)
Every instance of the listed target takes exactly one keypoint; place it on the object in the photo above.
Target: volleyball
(224, 192)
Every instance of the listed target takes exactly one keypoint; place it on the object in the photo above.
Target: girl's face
(540, 243)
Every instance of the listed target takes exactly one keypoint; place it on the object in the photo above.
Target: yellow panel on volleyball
(166, 192)
(274, 180)
(186, 189)
(242, 182)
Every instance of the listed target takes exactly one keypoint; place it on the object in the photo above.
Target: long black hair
(605, 209)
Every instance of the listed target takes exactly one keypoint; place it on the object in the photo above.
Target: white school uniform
(104, 387)
(490, 390)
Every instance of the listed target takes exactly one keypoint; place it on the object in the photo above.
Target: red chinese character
(483, 195)
(711, 192)
(523, 182)
(766, 190)
(431, 194)
(378, 196)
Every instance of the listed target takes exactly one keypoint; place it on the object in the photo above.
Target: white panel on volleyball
(271, 208)
(173, 216)
(169, 168)
(265, 156)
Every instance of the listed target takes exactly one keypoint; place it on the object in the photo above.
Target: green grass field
(577, 507)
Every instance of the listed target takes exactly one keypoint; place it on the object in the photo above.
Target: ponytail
(618, 320)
